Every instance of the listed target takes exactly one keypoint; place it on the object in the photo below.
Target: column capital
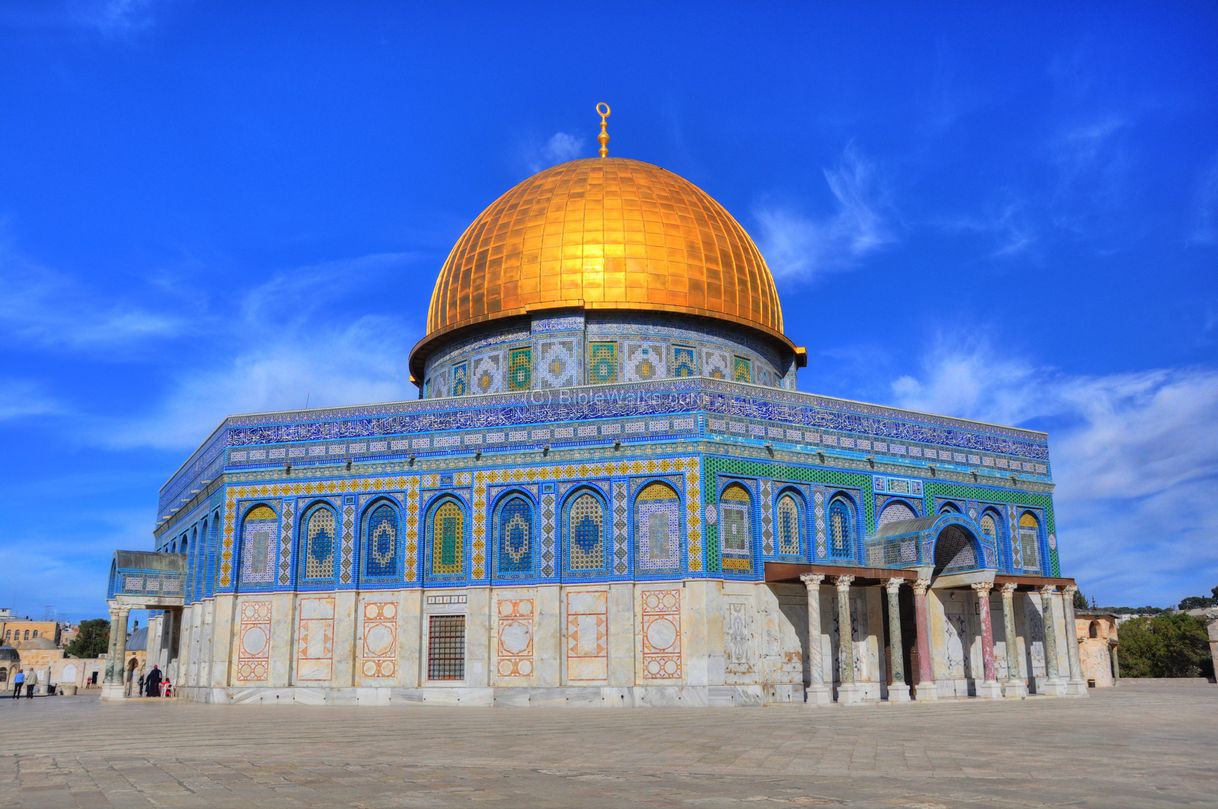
(1048, 590)
(843, 582)
(812, 579)
(1009, 589)
(893, 585)
(982, 588)
(1069, 590)
(920, 586)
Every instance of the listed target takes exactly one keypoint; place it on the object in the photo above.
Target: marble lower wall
(658, 643)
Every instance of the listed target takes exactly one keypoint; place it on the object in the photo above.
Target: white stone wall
(630, 643)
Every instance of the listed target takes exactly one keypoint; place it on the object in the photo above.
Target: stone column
(924, 691)
(818, 693)
(1015, 686)
(988, 688)
(848, 691)
(1077, 686)
(1116, 664)
(1053, 682)
(898, 691)
(114, 688)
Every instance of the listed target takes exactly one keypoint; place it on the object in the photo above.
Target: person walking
(30, 681)
(153, 683)
(18, 682)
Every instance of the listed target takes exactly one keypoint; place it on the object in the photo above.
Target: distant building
(16, 631)
(1097, 647)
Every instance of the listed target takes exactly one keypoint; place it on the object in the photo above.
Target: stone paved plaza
(1137, 745)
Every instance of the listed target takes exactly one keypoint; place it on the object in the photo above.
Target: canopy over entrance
(147, 580)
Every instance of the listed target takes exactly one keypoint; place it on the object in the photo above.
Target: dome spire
(602, 109)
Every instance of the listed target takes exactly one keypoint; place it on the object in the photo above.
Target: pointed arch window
(841, 528)
(447, 531)
(657, 527)
(381, 530)
(896, 511)
(1026, 544)
(586, 532)
(789, 524)
(514, 536)
(258, 531)
(736, 525)
(320, 529)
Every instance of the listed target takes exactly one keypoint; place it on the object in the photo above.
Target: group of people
(153, 684)
(27, 681)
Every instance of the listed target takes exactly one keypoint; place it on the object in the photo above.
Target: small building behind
(1097, 647)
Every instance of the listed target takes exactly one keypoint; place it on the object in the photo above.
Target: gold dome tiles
(604, 234)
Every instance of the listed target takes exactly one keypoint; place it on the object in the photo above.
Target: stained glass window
(520, 368)
(448, 539)
(657, 526)
(736, 506)
(683, 361)
(1028, 550)
(381, 541)
(320, 525)
(602, 363)
(459, 384)
(790, 527)
(585, 532)
(742, 369)
(841, 528)
(514, 527)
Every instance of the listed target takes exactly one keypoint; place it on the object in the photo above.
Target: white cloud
(54, 310)
(1135, 459)
(280, 362)
(1009, 226)
(561, 147)
(801, 248)
(1205, 207)
(114, 17)
(20, 398)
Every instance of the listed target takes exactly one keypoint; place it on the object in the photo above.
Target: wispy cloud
(52, 309)
(1205, 206)
(1091, 162)
(802, 248)
(1008, 228)
(111, 18)
(561, 147)
(21, 397)
(276, 361)
(1135, 460)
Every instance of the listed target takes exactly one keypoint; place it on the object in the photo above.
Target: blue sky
(209, 208)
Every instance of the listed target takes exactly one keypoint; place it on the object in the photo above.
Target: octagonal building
(609, 492)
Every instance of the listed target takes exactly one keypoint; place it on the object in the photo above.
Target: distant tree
(1168, 645)
(1080, 600)
(1200, 602)
(92, 639)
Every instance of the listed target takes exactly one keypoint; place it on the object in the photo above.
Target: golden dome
(603, 233)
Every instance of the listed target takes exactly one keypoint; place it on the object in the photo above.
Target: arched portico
(140, 580)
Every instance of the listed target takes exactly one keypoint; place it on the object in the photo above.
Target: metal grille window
(446, 647)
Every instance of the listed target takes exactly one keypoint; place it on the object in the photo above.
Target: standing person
(153, 682)
(141, 683)
(30, 681)
(18, 681)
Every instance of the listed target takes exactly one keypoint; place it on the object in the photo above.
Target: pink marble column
(990, 688)
(925, 689)
(982, 589)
